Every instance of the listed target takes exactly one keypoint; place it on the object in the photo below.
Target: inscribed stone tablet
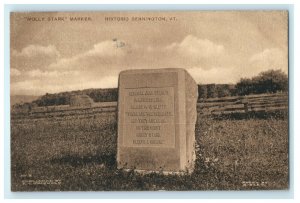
(149, 117)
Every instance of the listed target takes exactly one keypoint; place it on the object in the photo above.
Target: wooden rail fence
(243, 104)
(214, 106)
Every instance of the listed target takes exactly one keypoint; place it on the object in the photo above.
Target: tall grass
(79, 153)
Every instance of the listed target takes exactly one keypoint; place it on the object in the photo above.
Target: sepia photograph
(149, 100)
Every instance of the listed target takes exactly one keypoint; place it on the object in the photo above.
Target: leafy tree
(202, 91)
(223, 90)
(211, 91)
(244, 86)
(270, 81)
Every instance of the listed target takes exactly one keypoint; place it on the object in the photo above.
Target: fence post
(246, 107)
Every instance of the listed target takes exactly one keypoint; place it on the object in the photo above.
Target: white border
(293, 77)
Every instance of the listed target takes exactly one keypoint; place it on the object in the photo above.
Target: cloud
(40, 86)
(119, 55)
(273, 58)
(196, 47)
(34, 57)
(103, 55)
(107, 82)
(15, 72)
(214, 47)
(37, 51)
(37, 73)
(216, 75)
(99, 67)
(85, 70)
(25, 87)
(265, 60)
(107, 49)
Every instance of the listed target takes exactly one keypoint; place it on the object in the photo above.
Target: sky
(56, 52)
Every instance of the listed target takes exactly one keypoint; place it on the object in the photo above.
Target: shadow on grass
(78, 161)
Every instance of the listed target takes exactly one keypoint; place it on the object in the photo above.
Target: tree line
(63, 98)
(271, 81)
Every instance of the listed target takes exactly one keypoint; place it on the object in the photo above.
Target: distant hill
(19, 99)
(111, 95)
(266, 82)
(64, 98)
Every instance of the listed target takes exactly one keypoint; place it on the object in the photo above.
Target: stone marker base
(145, 172)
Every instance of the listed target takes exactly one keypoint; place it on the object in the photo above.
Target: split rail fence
(213, 106)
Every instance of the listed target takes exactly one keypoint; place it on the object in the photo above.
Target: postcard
(149, 100)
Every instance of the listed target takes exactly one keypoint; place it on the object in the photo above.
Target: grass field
(78, 152)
